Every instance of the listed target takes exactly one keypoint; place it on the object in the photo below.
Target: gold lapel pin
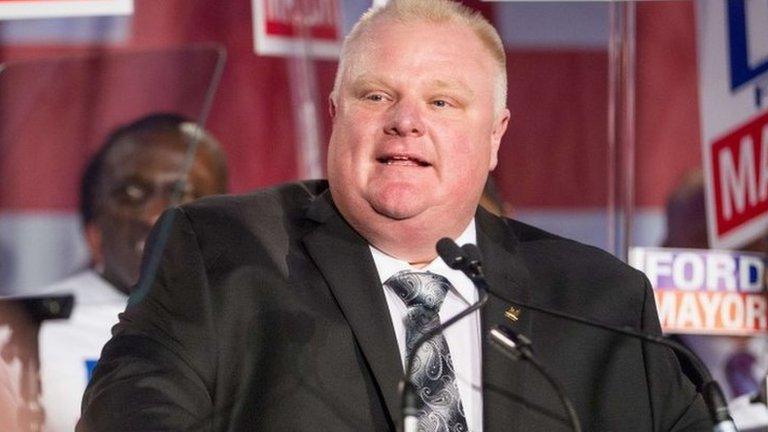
(513, 313)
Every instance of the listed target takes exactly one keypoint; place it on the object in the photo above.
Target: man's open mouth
(403, 160)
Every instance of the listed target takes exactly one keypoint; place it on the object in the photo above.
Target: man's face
(414, 132)
(137, 187)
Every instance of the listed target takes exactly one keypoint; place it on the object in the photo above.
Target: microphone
(455, 259)
(516, 346)
(709, 388)
(466, 259)
(451, 253)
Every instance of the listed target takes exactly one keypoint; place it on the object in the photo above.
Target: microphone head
(472, 253)
(451, 253)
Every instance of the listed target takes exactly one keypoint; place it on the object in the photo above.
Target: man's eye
(134, 192)
(440, 103)
(131, 194)
(375, 97)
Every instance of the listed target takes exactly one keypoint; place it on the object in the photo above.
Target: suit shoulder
(272, 218)
(580, 278)
(288, 197)
(560, 254)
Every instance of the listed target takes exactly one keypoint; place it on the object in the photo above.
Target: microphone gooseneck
(515, 346)
(709, 388)
(455, 258)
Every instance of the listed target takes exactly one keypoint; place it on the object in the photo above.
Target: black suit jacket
(267, 314)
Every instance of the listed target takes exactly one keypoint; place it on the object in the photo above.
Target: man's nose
(405, 119)
(154, 208)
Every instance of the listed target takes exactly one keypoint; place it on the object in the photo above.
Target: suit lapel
(504, 380)
(345, 261)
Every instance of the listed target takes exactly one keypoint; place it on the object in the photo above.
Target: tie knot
(423, 289)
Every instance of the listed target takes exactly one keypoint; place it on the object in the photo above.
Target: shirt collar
(388, 265)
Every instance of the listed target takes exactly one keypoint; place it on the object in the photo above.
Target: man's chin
(397, 211)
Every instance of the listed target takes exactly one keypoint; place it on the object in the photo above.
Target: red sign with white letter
(739, 166)
(296, 27)
(733, 88)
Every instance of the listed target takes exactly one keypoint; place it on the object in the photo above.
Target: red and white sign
(733, 79)
(297, 27)
(24, 9)
(739, 179)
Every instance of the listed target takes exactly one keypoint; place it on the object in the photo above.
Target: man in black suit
(294, 308)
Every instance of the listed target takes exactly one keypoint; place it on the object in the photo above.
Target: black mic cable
(517, 347)
(709, 388)
(408, 396)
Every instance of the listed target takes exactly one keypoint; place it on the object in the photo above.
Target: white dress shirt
(70, 348)
(463, 338)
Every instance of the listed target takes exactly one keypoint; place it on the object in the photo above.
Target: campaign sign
(296, 27)
(25, 9)
(706, 291)
(733, 85)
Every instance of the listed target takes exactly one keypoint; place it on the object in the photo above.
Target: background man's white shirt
(70, 348)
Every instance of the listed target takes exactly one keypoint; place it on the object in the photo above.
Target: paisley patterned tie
(433, 376)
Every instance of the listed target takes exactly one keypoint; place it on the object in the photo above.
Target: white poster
(25, 9)
(733, 84)
(296, 27)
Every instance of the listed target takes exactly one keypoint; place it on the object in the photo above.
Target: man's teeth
(401, 161)
(404, 160)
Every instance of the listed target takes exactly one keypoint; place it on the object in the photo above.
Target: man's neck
(416, 245)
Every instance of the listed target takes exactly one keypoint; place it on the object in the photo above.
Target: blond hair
(434, 11)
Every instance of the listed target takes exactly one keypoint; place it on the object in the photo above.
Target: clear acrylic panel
(54, 114)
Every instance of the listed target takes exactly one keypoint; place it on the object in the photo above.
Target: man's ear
(331, 107)
(499, 127)
(95, 241)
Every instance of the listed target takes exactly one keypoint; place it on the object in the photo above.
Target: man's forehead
(435, 82)
(384, 28)
(132, 146)
(150, 156)
(137, 157)
(415, 40)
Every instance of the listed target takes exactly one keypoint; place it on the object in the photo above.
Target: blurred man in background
(138, 172)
